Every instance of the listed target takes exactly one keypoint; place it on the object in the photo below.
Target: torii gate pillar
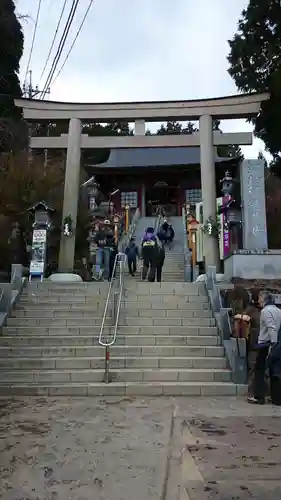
(71, 195)
(208, 187)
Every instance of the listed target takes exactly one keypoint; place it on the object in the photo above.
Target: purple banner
(226, 233)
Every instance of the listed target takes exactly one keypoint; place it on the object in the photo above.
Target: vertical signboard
(226, 232)
(38, 254)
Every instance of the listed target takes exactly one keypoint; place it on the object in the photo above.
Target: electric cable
(73, 43)
(54, 38)
(33, 38)
(61, 46)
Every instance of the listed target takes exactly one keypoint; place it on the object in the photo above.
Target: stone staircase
(173, 269)
(167, 342)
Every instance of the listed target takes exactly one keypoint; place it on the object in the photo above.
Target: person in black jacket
(149, 251)
(132, 253)
(160, 261)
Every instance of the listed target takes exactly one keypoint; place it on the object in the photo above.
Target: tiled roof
(152, 157)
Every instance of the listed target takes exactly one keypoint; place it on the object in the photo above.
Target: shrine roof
(153, 157)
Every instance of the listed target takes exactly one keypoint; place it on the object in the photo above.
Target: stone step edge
(60, 327)
(101, 358)
(133, 335)
(98, 319)
(175, 346)
(126, 388)
(115, 370)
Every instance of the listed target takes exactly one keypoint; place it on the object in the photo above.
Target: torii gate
(204, 110)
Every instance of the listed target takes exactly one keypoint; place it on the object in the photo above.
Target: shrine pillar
(71, 195)
(208, 186)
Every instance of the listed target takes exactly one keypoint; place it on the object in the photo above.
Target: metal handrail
(235, 349)
(117, 299)
(186, 252)
(157, 222)
(14, 270)
(131, 230)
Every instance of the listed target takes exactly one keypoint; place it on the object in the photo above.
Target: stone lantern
(227, 184)
(41, 212)
(231, 211)
(42, 223)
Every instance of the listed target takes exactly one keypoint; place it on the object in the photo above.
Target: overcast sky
(139, 50)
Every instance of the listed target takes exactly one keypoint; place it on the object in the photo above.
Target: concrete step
(166, 303)
(61, 299)
(138, 295)
(116, 362)
(83, 286)
(81, 351)
(121, 389)
(139, 288)
(145, 287)
(129, 340)
(125, 330)
(129, 310)
(91, 292)
(124, 320)
(119, 375)
(174, 299)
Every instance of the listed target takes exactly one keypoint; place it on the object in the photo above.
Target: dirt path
(138, 449)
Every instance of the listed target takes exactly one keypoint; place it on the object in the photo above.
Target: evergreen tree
(11, 49)
(255, 65)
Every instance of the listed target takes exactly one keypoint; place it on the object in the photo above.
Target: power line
(61, 44)
(33, 38)
(74, 41)
(54, 38)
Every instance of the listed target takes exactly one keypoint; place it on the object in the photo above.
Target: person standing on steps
(150, 251)
(160, 262)
(132, 253)
(104, 239)
(269, 339)
(161, 256)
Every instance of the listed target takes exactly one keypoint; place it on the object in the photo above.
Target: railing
(114, 298)
(235, 348)
(10, 292)
(125, 240)
(187, 253)
(157, 222)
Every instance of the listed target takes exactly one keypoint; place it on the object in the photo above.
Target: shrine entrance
(161, 194)
(77, 114)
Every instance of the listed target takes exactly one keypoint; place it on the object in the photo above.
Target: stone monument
(253, 205)
(254, 261)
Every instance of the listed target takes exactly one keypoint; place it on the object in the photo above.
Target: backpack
(242, 325)
(149, 241)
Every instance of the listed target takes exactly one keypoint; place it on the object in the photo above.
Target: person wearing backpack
(132, 253)
(268, 352)
(149, 250)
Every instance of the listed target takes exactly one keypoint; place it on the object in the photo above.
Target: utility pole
(30, 92)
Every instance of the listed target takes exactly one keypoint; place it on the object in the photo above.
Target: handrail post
(114, 307)
(120, 260)
(106, 366)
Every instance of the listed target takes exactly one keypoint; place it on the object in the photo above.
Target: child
(132, 253)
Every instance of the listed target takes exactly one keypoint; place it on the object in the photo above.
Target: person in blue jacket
(132, 253)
